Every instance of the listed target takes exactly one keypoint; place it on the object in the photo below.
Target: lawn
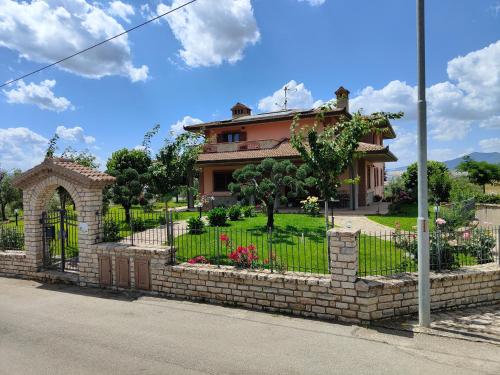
(406, 217)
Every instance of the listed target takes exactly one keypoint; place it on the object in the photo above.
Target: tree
(173, 165)
(480, 172)
(9, 195)
(52, 146)
(130, 167)
(85, 157)
(267, 182)
(438, 177)
(330, 151)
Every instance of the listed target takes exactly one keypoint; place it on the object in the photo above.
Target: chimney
(240, 110)
(342, 98)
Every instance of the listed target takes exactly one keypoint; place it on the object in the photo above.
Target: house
(246, 138)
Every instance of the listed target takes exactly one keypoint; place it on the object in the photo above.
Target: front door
(60, 240)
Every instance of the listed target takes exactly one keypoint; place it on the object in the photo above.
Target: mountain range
(490, 157)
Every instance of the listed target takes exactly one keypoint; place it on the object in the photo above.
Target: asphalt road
(69, 330)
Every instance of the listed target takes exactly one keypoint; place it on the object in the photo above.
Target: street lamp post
(424, 310)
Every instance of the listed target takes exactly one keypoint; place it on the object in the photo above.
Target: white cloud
(212, 32)
(45, 31)
(299, 97)
(122, 10)
(404, 147)
(21, 148)
(178, 127)
(314, 2)
(75, 134)
(394, 97)
(40, 95)
(470, 97)
(490, 145)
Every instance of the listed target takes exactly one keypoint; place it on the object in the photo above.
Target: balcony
(240, 146)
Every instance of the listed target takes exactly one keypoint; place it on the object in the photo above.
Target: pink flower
(466, 236)
(224, 237)
(440, 221)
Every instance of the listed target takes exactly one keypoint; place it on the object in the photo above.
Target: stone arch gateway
(84, 185)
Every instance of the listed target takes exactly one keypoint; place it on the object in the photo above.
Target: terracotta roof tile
(282, 150)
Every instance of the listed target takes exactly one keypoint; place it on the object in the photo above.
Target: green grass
(298, 242)
(406, 217)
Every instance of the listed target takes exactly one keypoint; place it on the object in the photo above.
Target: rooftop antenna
(286, 90)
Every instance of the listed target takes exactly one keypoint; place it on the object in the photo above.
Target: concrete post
(344, 256)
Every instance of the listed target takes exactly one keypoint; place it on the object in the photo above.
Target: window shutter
(243, 136)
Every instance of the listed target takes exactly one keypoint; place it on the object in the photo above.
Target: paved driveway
(68, 330)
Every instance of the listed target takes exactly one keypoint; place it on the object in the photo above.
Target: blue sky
(195, 64)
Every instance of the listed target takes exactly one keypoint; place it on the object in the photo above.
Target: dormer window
(240, 110)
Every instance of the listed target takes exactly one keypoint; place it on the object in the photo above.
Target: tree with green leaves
(52, 146)
(268, 182)
(9, 194)
(131, 169)
(173, 165)
(329, 149)
(438, 177)
(480, 172)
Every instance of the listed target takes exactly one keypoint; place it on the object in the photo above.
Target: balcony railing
(240, 146)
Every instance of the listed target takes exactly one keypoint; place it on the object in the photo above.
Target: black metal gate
(60, 240)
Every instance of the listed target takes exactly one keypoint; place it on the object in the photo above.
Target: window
(231, 137)
(222, 180)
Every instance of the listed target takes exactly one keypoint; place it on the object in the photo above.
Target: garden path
(362, 223)
(156, 236)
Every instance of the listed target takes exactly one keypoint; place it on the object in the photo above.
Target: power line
(97, 44)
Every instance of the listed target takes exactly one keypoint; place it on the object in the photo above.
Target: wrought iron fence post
(131, 227)
(270, 248)
(438, 244)
(62, 238)
(218, 246)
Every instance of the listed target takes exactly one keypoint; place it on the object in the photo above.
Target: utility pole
(424, 306)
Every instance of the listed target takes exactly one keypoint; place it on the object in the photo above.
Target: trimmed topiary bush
(138, 224)
(234, 212)
(111, 231)
(217, 217)
(195, 225)
(248, 211)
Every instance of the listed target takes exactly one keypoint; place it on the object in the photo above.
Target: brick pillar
(32, 232)
(343, 256)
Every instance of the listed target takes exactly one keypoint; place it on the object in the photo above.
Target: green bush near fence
(11, 238)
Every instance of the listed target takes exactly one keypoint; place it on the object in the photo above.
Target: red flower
(224, 237)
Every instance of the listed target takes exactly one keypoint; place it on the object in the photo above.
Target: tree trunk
(276, 203)
(484, 189)
(62, 199)
(127, 214)
(270, 216)
(2, 207)
(190, 198)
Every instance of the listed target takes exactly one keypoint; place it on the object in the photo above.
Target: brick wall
(14, 264)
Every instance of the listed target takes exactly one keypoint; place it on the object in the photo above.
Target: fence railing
(12, 235)
(277, 250)
(393, 252)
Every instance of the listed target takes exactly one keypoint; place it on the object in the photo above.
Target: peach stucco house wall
(246, 138)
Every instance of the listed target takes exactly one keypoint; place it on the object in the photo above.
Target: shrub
(217, 217)
(377, 198)
(234, 212)
(248, 211)
(195, 225)
(138, 224)
(200, 259)
(462, 189)
(111, 231)
(479, 244)
(162, 220)
(310, 206)
(11, 239)
(488, 198)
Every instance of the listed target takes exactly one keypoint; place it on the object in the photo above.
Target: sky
(194, 64)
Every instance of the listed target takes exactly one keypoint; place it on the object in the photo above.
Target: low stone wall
(488, 214)
(14, 263)
(384, 297)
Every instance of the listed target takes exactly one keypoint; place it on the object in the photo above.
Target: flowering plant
(310, 206)
(199, 259)
(440, 221)
(244, 257)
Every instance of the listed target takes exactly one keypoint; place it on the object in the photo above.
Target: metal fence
(276, 250)
(12, 235)
(393, 252)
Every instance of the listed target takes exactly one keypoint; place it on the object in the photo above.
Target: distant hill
(490, 157)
